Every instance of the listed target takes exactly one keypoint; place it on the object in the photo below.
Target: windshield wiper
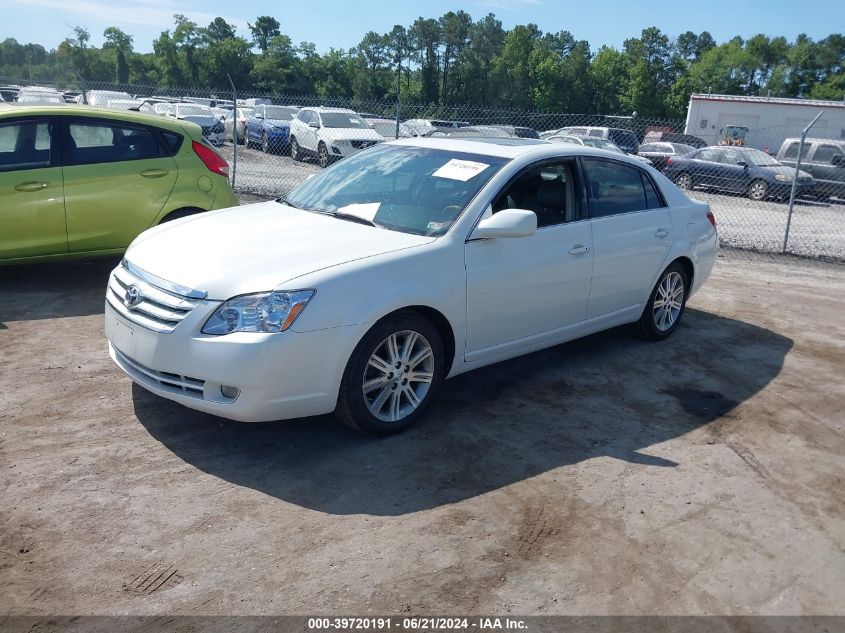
(352, 218)
(288, 203)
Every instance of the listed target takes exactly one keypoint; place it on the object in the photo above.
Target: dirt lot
(606, 476)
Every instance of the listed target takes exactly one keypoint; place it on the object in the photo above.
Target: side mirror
(314, 124)
(507, 223)
(837, 160)
(742, 164)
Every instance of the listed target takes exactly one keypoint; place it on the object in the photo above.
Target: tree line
(449, 60)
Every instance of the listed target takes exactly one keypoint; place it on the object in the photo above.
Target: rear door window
(89, 142)
(792, 151)
(709, 155)
(614, 188)
(25, 145)
(825, 153)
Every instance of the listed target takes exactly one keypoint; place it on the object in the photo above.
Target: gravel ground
(817, 230)
(701, 475)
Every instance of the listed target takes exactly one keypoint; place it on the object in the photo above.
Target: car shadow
(608, 395)
(46, 291)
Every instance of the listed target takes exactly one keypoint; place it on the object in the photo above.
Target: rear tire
(392, 376)
(665, 305)
(684, 181)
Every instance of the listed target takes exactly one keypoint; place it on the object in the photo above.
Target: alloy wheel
(684, 181)
(324, 155)
(668, 302)
(398, 375)
(265, 146)
(758, 189)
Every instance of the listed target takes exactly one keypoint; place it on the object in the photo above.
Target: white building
(770, 120)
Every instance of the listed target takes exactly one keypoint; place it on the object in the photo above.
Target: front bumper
(347, 148)
(279, 376)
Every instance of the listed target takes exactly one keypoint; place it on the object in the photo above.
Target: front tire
(323, 155)
(758, 190)
(665, 306)
(295, 152)
(265, 144)
(392, 376)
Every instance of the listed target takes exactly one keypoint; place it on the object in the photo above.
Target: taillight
(668, 161)
(711, 218)
(211, 159)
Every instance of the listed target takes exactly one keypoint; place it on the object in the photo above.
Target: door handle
(579, 249)
(661, 233)
(32, 186)
(154, 173)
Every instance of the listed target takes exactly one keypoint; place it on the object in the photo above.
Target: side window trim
(68, 120)
(580, 193)
(55, 137)
(643, 175)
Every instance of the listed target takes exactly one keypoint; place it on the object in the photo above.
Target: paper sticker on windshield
(366, 210)
(460, 169)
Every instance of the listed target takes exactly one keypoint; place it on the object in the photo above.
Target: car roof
(509, 147)
(71, 109)
(325, 109)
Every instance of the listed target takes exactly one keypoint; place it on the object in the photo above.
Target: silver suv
(823, 158)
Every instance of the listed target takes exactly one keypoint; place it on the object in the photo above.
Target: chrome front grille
(139, 298)
(162, 379)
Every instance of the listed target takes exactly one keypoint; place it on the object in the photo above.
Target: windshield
(761, 159)
(278, 113)
(343, 119)
(600, 143)
(193, 110)
(388, 130)
(410, 189)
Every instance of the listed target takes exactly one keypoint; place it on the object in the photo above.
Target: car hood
(199, 119)
(789, 172)
(257, 247)
(352, 134)
(278, 122)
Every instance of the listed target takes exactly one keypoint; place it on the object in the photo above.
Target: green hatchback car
(77, 181)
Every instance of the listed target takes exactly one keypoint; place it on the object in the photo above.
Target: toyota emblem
(133, 296)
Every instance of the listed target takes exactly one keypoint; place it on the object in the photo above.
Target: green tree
(264, 30)
(121, 43)
(218, 31)
(512, 69)
(454, 28)
(425, 35)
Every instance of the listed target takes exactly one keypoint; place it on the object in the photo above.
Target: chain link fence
(747, 176)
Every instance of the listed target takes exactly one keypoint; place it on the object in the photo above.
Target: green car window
(92, 142)
(24, 145)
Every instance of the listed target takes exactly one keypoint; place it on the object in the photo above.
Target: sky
(342, 23)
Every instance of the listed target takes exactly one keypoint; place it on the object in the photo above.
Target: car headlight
(782, 178)
(264, 312)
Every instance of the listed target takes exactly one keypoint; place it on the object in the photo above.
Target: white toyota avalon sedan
(401, 266)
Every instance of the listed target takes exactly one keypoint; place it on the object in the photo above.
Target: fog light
(230, 392)
(335, 149)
